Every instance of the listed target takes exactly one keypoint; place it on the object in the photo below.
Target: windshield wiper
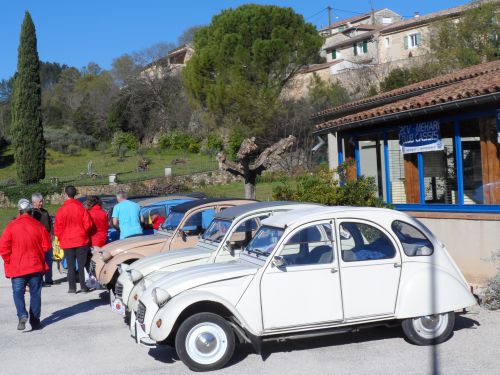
(257, 252)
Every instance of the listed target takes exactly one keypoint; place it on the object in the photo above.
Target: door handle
(397, 265)
(334, 270)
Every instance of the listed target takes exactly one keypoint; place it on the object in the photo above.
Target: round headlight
(134, 275)
(160, 296)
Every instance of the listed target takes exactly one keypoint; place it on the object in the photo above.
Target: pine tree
(27, 129)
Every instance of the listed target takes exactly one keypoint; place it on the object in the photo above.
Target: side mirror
(183, 235)
(278, 261)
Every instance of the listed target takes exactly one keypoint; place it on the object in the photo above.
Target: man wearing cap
(23, 245)
(73, 227)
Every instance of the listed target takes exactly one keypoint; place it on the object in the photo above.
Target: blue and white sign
(421, 137)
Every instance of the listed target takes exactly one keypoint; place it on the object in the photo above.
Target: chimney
(417, 14)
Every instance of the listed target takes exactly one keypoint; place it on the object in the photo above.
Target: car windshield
(173, 220)
(264, 241)
(216, 230)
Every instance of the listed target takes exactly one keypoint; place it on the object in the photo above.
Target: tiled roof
(350, 41)
(347, 20)
(467, 83)
(412, 22)
(445, 79)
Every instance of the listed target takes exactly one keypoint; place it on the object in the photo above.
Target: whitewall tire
(205, 342)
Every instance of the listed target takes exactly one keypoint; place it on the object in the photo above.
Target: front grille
(119, 290)
(141, 312)
(92, 268)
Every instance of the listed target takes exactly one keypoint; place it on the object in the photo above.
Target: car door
(370, 268)
(306, 289)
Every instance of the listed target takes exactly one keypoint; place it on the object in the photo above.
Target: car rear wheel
(205, 342)
(429, 329)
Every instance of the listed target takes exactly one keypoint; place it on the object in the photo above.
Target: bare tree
(249, 166)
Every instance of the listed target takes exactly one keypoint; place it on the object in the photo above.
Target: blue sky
(76, 32)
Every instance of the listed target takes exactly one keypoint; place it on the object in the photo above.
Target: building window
(480, 161)
(372, 161)
(341, 28)
(440, 178)
(396, 169)
(386, 20)
(334, 54)
(387, 41)
(360, 48)
(413, 40)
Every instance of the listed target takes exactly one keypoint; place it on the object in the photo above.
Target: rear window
(414, 242)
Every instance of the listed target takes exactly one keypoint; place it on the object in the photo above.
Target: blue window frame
(422, 206)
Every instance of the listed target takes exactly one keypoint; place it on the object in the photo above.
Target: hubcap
(431, 326)
(206, 343)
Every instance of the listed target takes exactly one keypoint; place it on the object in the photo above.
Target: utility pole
(329, 19)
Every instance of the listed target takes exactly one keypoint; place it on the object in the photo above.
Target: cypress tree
(27, 129)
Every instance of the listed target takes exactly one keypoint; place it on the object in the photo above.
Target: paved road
(82, 336)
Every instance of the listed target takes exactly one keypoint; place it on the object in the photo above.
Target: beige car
(181, 229)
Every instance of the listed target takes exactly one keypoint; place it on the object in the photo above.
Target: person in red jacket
(99, 234)
(72, 227)
(23, 246)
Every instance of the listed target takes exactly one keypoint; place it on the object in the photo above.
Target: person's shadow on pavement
(70, 311)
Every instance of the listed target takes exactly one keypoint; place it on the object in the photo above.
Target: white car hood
(160, 261)
(192, 277)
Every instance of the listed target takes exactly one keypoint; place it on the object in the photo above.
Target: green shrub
(73, 150)
(234, 143)
(177, 140)
(214, 143)
(61, 140)
(322, 188)
(123, 140)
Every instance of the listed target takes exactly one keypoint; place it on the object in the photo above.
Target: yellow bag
(57, 252)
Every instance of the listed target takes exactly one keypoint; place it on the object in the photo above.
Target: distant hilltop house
(381, 40)
(172, 63)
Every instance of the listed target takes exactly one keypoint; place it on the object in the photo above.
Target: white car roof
(298, 216)
(252, 208)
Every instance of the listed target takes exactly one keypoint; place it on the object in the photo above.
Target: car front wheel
(429, 329)
(205, 342)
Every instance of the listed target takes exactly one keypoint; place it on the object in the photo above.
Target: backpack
(57, 252)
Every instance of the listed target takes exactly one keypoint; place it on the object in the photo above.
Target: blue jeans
(34, 281)
(48, 260)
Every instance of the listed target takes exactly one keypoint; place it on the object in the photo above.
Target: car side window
(244, 232)
(359, 241)
(198, 222)
(310, 245)
(414, 242)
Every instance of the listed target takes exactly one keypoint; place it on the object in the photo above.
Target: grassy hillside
(71, 168)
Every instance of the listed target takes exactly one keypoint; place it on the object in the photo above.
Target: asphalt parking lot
(82, 336)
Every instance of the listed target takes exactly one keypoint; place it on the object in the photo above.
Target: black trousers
(80, 254)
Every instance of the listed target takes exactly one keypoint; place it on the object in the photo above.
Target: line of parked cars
(219, 272)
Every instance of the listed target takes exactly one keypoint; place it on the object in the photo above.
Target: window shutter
(355, 49)
(365, 46)
(334, 54)
(419, 39)
(406, 41)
